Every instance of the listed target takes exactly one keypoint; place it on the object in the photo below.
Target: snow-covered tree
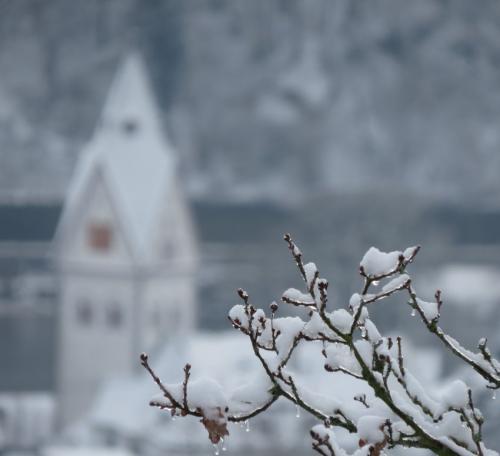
(398, 411)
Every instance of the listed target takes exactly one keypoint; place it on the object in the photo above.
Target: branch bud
(323, 284)
(243, 294)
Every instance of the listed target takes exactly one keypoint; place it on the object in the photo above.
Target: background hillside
(266, 99)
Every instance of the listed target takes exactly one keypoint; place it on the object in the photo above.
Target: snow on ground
(84, 451)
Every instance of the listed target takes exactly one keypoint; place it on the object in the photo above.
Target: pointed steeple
(130, 105)
(131, 151)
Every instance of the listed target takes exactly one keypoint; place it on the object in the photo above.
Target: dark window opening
(114, 316)
(130, 126)
(156, 317)
(84, 312)
(100, 236)
(175, 318)
(168, 249)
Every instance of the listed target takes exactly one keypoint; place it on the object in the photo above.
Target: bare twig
(491, 376)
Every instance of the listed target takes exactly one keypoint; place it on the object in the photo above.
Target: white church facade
(126, 249)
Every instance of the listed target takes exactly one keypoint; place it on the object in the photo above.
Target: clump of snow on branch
(376, 263)
(397, 412)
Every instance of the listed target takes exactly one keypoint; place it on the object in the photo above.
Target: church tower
(126, 249)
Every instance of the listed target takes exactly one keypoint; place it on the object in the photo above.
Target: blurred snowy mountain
(265, 99)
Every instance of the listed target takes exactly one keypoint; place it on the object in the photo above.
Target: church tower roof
(130, 97)
(131, 152)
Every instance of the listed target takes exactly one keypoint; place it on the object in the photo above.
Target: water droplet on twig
(247, 424)
(297, 412)
(413, 312)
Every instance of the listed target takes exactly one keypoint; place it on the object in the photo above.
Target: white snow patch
(370, 428)
(395, 283)
(84, 451)
(455, 394)
(296, 295)
(430, 309)
(342, 320)
(376, 263)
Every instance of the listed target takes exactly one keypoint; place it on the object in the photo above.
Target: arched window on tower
(114, 315)
(84, 312)
(169, 249)
(155, 316)
(130, 126)
(175, 319)
(100, 236)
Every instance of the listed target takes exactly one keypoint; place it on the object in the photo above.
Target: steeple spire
(131, 151)
(130, 105)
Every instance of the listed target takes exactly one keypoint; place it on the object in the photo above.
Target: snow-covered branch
(399, 411)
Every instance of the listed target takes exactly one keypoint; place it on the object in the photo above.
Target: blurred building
(26, 420)
(126, 250)
(27, 297)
